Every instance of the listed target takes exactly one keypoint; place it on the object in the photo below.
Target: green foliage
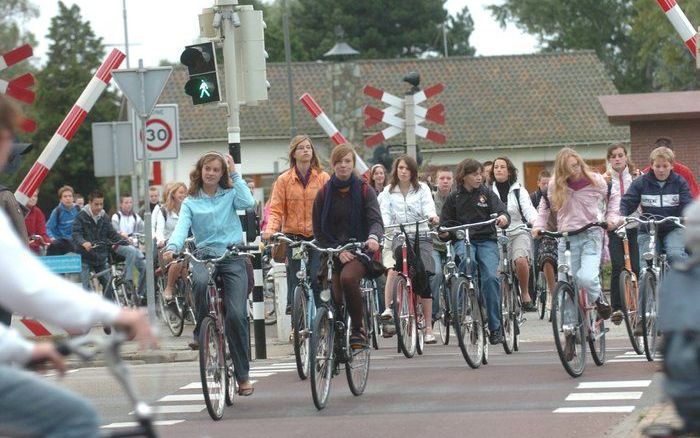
(459, 29)
(633, 38)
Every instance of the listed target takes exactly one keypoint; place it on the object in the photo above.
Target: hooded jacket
(94, 229)
(415, 206)
(467, 207)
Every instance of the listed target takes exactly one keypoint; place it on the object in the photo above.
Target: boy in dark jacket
(661, 193)
(92, 234)
(469, 203)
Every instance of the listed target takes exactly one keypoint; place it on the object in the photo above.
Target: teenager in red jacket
(35, 221)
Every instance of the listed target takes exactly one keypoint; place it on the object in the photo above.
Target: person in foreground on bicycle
(660, 193)
(469, 203)
(165, 218)
(505, 184)
(678, 320)
(291, 208)
(346, 208)
(94, 236)
(579, 196)
(216, 192)
(31, 405)
(407, 200)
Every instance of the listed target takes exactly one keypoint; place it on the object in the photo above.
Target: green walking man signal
(203, 83)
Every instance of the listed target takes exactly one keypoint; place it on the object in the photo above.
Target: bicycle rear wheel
(270, 305)
(596, 336)
(357, 365)
(321, 358)
(404, 318)
(300, 330)
(647, 291)
(371, 314)
(507, 316)
(629, 300)
(229, 380)
(467, 322)
(567, 326)
(442, 322)
(212, 367)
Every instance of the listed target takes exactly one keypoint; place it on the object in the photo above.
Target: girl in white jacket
(407, 200)
(505, 184)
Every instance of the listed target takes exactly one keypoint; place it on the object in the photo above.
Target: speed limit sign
(161, 134)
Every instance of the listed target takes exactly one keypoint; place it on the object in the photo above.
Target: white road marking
(593, 396)
(615, 384)
(594, 410)
(176, 409)
(134, 424)
(182, 397)
(631, 359)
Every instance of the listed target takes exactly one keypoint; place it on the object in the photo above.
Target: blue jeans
(484, 253)
(234, 279)
(32, 406)
(133, 257)
(586, 250)
(436, 280)
(672, 242)
(104, 279)
(312, 268)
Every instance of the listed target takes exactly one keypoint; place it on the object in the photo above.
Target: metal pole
(444, 38)
(228, 8)
(150, 281)
(115, 159)
(288, 62)
(126, 35)
(134, 180)
(409, 112)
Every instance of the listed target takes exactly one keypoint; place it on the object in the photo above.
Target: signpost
(142, 87)
(162, 134)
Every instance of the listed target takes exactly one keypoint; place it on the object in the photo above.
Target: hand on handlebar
(135, 322)
(87, 246)
(346, 256)
(536, 233)
(46, 352)
(502, 221)
(372, 245)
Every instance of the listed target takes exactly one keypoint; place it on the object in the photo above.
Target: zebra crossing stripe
(135, 424)
(594, 410)
(615, 384)
(598, 396)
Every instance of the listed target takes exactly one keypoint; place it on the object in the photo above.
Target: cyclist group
(308, 204)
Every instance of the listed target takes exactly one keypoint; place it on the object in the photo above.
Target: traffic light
(203, 84)
(251, 57)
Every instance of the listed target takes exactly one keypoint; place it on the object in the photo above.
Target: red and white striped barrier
(17, 88)
(32, 328)
(15, 55)
(680, 22)
(68, 127)
(330, 129)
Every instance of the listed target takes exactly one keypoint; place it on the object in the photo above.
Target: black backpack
(416, 267)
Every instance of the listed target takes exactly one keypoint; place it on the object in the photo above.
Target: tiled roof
(490, 101)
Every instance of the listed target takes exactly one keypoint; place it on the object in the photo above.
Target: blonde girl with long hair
(165, 218)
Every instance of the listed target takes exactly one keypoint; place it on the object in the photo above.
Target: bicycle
(270, 298)
(629, 290)
(442, 321)
(180, 307)
(109, 348)
(330, 339)
(123, 292)
(543, 292)
(215, 363)
(407, 308)
(570, 336)
(304, 304)
(649, 279)
(511, 301)
(468, 313)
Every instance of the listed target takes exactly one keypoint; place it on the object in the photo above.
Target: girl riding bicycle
(579, 197)
(407, 200)
(165, 218)
(216, 192)
(346, 208)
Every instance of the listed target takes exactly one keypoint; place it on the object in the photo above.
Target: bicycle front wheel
(212, 367)
(321, 358)
(543, 291)
(567, 326)
(629, 300)
(467, 322)
(300, 330)
(357, 365)
(596, 336)
(647, 291)
(372, 316)
(508, 316)
(404, 317)
(442, 321)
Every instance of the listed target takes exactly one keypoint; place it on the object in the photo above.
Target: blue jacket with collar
(669, 199)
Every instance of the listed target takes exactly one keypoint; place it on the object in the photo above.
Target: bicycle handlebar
(232, 250)
(338, 250)
(631, 219)
(466, 226)
(557, 235)
(406, 224)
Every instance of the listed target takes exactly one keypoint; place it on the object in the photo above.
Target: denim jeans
(312, 268)
(234, 279)
(32, 406)
(484, 253)
(133, 257)
(672, 242)
(104, 279)
(436, 280)
(586, 250)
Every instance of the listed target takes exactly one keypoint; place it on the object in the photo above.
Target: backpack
(416, 267)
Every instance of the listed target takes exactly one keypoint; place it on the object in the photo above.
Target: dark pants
(617, 259)
(60, 247)
(312, 267)
(347, 282)
(234, 279)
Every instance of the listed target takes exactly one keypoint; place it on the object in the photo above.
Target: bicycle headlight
(460, 234)
(563, 269)
(300, 275)
(325, 295)
(648, 255)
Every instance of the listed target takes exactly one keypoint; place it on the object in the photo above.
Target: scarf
(333, 186)
(503, 188)
(304, 179)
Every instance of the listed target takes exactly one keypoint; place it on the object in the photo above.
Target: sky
(159, 29)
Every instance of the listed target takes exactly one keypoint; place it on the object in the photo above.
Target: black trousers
(617, 258)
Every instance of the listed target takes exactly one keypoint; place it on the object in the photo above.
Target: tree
(13, 15)
(633, 38)
(459, 29)
(74, 54)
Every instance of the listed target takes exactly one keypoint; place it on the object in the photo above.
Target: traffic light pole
(227, 8)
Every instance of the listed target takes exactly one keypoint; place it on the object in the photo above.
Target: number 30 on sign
(162, 134)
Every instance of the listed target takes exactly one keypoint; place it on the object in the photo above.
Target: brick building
(674, 115)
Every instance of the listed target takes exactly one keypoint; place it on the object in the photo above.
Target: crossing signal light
(203, 83)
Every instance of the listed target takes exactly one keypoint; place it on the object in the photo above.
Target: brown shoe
(617, 317)
(194, 345)
(604, 309)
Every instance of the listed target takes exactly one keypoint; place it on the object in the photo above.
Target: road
(527, 393)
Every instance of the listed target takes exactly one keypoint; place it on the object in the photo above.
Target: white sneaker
(387, 314)
(430, 339)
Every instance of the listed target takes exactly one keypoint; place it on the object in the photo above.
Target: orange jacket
(292, 205)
